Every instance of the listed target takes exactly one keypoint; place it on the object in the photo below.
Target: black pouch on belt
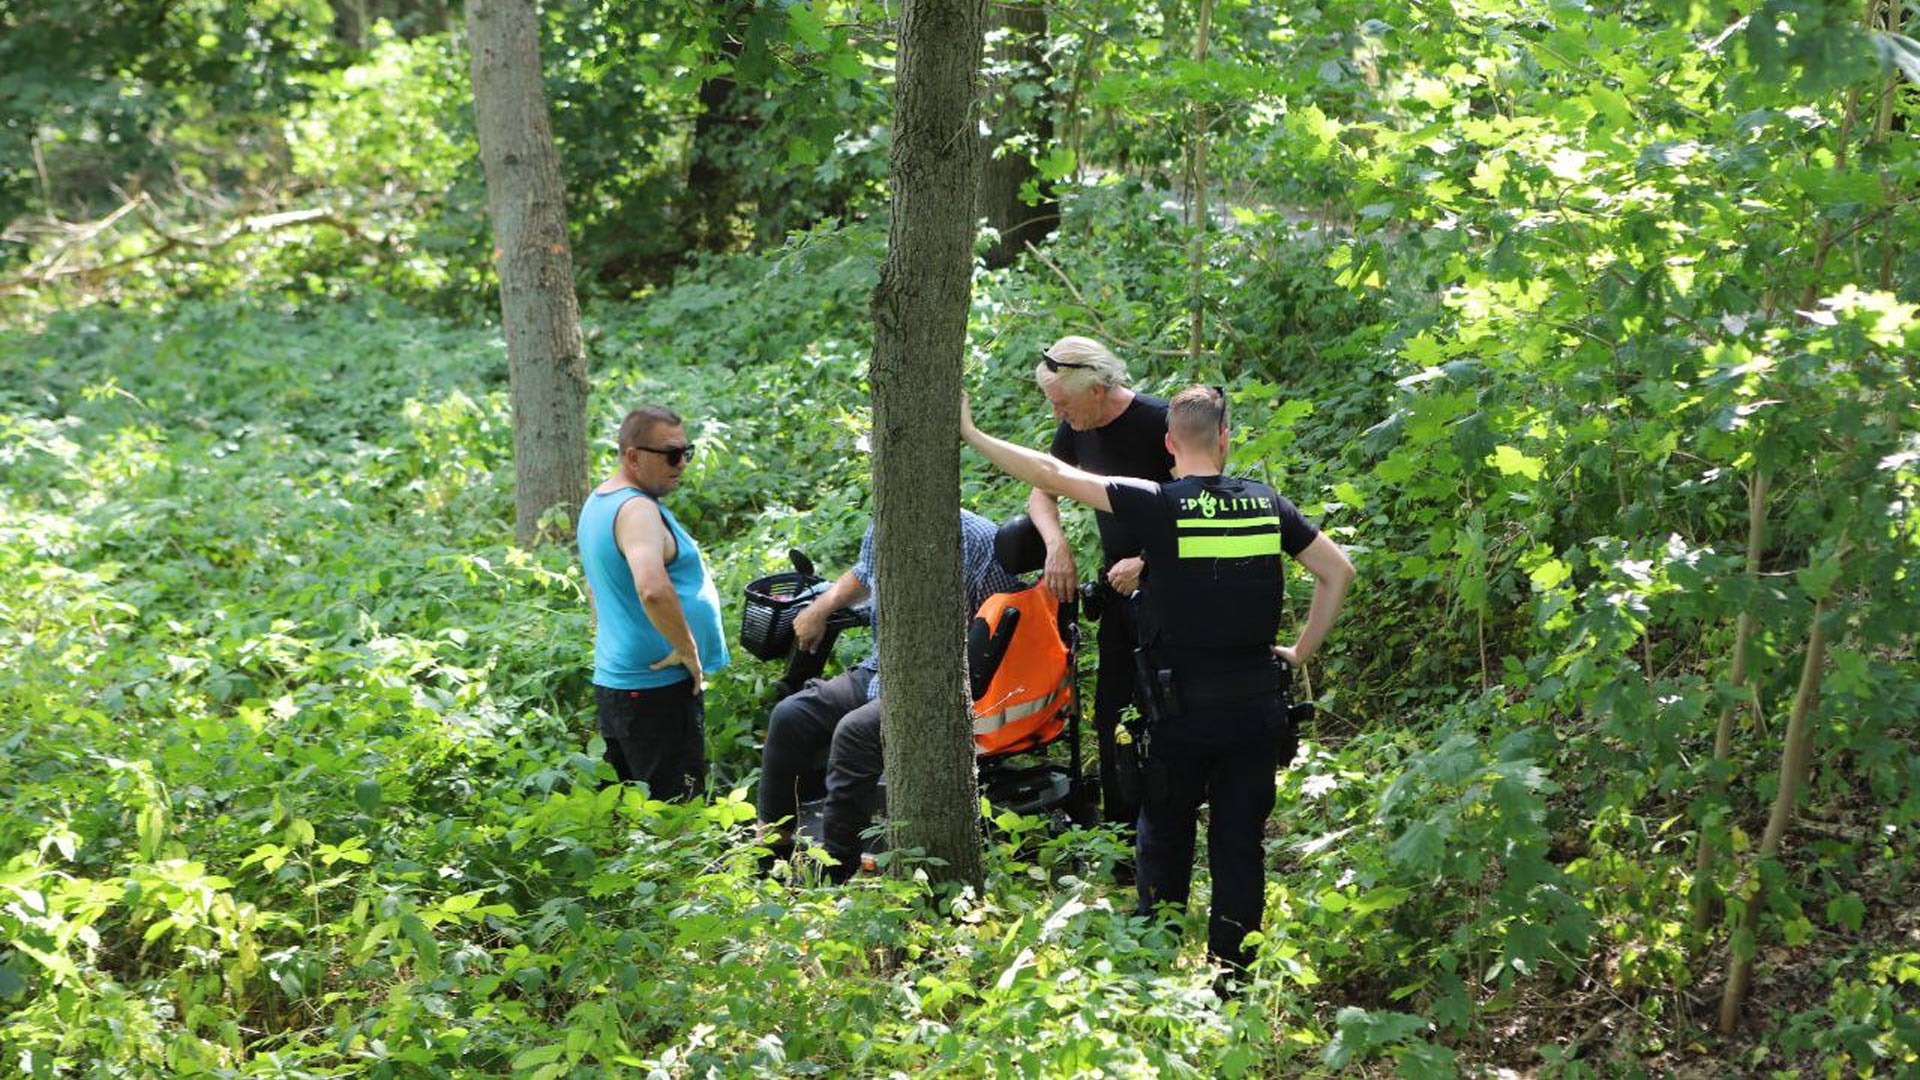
(1154, 690)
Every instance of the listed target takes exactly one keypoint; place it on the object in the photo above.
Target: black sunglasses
(1055, 365)
(674, 454)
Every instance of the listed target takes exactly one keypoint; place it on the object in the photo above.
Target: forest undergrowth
(301, 777)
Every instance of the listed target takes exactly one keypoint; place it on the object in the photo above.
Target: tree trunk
(1018, 58)
(1197, 200)
(1705, 898)
(920, 326)
(711, 202)
(1794, 759)
(350, 18)
(546, 362)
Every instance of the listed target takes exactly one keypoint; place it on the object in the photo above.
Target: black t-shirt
(1132, 444)
(1148, 512)
(1142, 510)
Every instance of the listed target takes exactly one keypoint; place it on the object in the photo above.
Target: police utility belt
(1164, 696)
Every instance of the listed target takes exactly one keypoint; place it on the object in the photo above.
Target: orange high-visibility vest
(1025, 703)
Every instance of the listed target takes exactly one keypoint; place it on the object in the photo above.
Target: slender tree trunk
(1705, 898)
(546, 362)
(1882, 128)
(712, 199)
(1197, 199)
(350, 18)
(1794, 758)
(1018, 55)
(920, 327)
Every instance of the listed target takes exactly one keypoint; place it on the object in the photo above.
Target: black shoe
(1230, 986)
(843, 867)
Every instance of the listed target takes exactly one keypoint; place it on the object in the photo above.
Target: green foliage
(301, 756)
(86, 85)
(1517, 298)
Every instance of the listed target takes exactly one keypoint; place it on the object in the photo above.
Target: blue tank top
(625, 644)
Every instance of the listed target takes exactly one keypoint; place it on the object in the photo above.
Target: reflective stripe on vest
(1024, 702)
(1020, 710)
(1228, 538)
(1222, 587)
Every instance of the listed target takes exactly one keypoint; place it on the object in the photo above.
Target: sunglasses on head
(1056, 366)
(674, 454)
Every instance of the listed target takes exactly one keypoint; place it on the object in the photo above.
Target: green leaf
(1490, 175)
(1433, 93)
(1796, 931)
(539, 1055)
(422, 940)
(11, 984)
(807, 27)
(366, 795)
(1847, 911)
(1424, 349)
(1549, 574)
(1511, 462)
(847, 65)
(1420, 848)
(1423, 1060)
(1899, 52)
(1362, 1032)
(1057, 163)
(1817, 580)
(1381, 899)
(1320, 130)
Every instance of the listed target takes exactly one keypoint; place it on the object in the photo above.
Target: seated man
(843, 713)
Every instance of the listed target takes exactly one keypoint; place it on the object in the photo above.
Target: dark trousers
(1112, 693)
(830, 727)
(656, 737)
(1237, 779)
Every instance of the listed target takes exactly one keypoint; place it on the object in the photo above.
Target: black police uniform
(1133, 444)
(1209, 612)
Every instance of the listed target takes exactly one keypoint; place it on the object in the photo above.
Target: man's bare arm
(1060, 572)
(642, 537)
(810, 624)
(1034, 468)
(1332, 574)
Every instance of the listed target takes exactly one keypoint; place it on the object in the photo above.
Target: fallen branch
(54, 269)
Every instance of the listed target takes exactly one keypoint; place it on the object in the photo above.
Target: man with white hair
(1107, 429)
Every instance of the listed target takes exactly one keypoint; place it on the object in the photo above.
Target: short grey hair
(1096, 366)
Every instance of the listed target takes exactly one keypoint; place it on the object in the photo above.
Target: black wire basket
(766, 620)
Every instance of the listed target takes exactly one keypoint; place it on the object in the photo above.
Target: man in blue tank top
(1211, 586)
(656, 613)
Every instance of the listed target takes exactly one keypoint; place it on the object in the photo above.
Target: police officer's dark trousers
(1236, 778)
(1112, 693)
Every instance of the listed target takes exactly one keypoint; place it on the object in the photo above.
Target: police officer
(1209, 614)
